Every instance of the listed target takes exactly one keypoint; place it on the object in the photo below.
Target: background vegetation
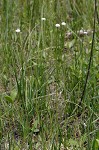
(42, 75)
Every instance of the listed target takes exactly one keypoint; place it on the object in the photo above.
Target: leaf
(16, 148)
(96, 144)
(70, 44)
(36, 130)
(73, 142)
(13, 94)
(83, 138)
(97, 140)
(9, 99)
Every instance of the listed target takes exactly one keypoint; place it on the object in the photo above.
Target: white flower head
(43, 19)
(85, 125)
(57, 25)
(63, 23)
(81, 31)
(17, 30)
(85, 32)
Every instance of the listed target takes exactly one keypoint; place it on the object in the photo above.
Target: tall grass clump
(49, 75)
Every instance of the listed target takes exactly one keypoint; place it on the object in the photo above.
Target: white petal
(17, 30)
(63, 24)
(43, 19)
(57, 25)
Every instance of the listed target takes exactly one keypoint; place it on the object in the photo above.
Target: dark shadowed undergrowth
(45, 52)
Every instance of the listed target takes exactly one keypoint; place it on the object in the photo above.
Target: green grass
(42, 76)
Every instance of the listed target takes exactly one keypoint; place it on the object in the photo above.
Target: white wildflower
(63, 23)
(81, 31)
(85, 32)
(57, 25)
(85, 125)
(17, 30)
(43, 19)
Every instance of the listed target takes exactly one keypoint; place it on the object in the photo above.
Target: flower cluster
(44, 19)
(58, 25)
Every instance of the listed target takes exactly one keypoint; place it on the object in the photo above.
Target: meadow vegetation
(43, 73)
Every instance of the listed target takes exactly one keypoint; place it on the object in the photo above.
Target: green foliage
(42, 75)
(11, 98)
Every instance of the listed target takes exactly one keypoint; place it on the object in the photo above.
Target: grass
(43, 75)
